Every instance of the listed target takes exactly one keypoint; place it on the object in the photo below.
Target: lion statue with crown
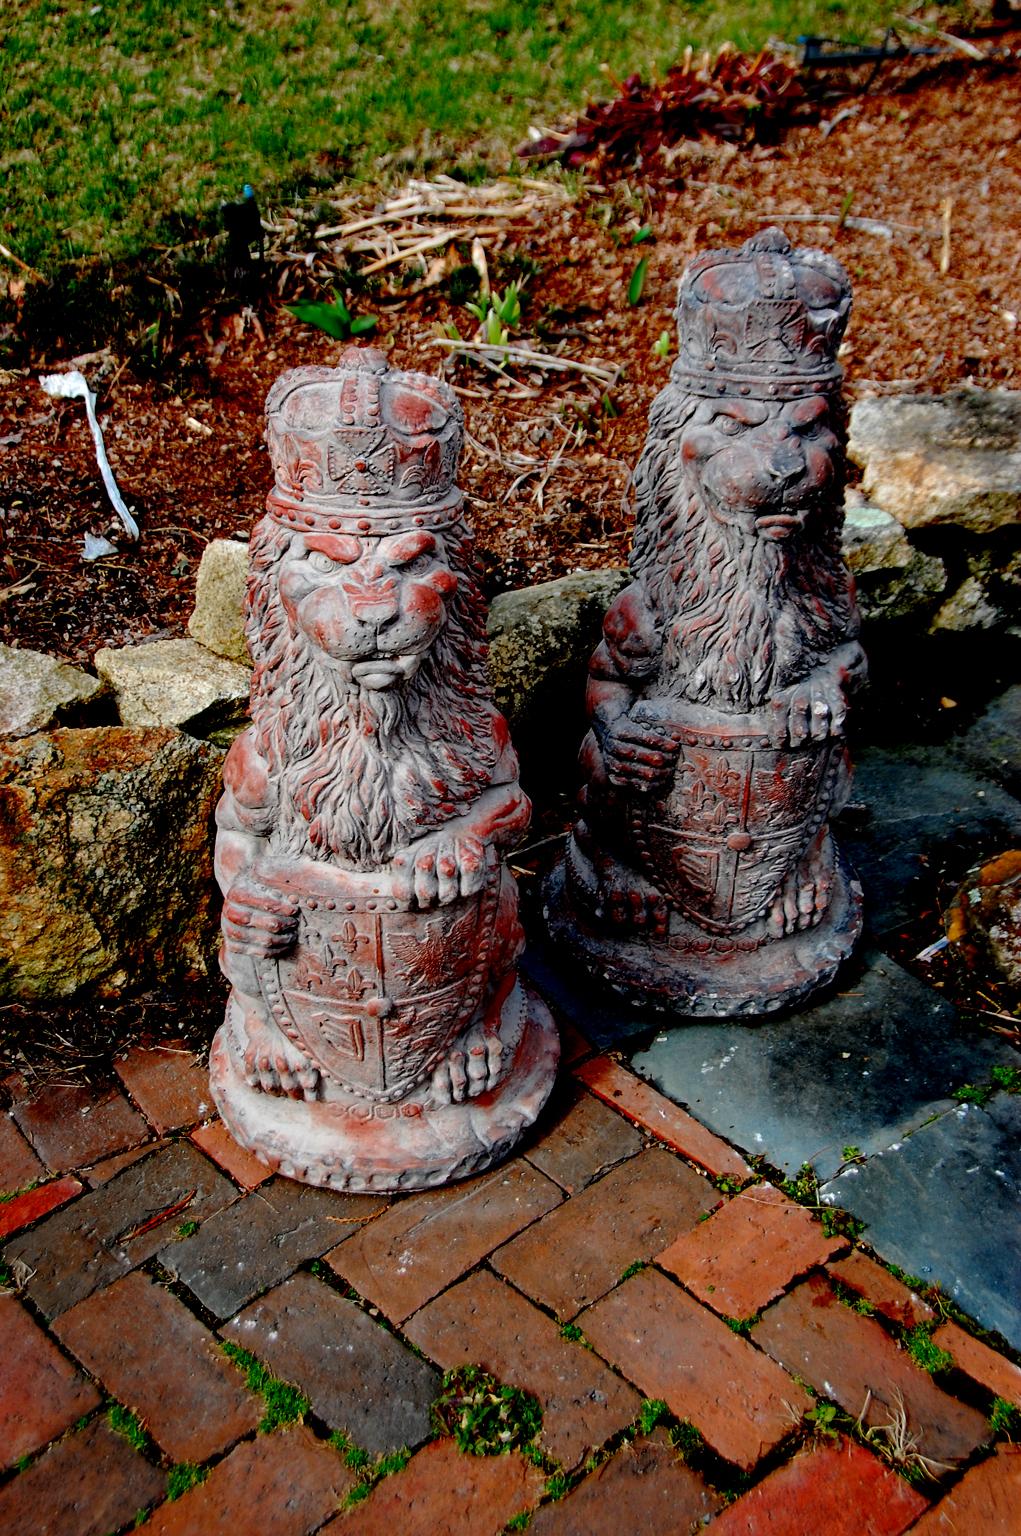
(377, 1035)
(701, 875)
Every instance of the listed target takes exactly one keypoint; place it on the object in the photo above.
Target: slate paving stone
(577, 1252)
(678, 1351)
(29, 1207)
(854, 1361)
(993, 743)
(283, 1484)
(41, 1392)
(18, 1163)
(929, 812)
(169, 1086)
(88, 1484)
(986, 1500)
(422, 1244)
(154, 1356)
(579, 1138)
(443, 1491)
(943, 1205)
(71, 1127)
(114, 1228)
(645, 1485)
(859, 1069)
(832, 1490)
(357, 1376)
(260, 1239)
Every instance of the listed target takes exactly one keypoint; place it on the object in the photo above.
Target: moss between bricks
(284, 1404)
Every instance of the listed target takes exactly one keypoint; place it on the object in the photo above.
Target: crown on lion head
(363, 447)
(764, 321)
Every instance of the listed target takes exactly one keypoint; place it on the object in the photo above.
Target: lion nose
(377, 609)
(786, 459)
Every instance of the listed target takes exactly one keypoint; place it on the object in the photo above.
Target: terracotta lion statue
(370, 931)
(718, 697)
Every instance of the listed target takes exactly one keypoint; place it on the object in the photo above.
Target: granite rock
(39, 691)
(984, 918)
(217, 620)
(894, 580)
(177, 683)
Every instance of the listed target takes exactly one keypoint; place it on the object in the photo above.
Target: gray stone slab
(95, 1240)
(859, 1069)
(929, 814)
(945, 1204)
(357, 1375)
(993, 742)
(258, 1241)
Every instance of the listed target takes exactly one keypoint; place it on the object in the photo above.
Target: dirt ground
(933, 174)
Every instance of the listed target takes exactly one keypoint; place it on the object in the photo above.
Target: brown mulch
(546, 463)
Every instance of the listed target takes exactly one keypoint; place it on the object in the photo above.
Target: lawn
(123, 125)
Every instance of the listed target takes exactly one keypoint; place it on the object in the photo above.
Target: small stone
(984, 918)
(88, 1484)
(218, 618)
(444, 1491)
(178, 683)
(41, 1393)
(38, 692)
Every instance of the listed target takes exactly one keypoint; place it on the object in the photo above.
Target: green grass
(283, 1404)
(123, 125)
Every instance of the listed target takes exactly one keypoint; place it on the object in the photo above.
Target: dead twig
(511, 352)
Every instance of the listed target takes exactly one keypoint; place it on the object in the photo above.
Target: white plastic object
(74, 386)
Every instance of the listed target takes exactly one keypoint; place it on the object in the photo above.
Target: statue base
(352, 1143)
(701, 975)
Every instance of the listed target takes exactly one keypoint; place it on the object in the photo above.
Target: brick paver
(243, 1166)
(18, 1163)
(72, 1126)
(102, 1173)
(283, 1484)
(261, 1239)
(405, 1257)
(853, 1360)
(645, 1488)
(24, 1209)
(116, 1227)
(986, 1502)
(88, 1484)
(41, 1393)
(748, 1251)
(676, 1350)
(168, 1085)
(357, 1375)
(484, 1322)
(444, 1493)
(982, 1364)
(576, 1253)
(642, 1104)
(582, 1138)
(832, 1490)
(153, 1355)
(890, 1298)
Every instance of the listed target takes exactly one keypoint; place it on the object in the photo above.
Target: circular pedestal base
(688, 974)
(351, 1144)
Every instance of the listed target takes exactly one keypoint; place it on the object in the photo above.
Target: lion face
(371, 607)
(763, 466)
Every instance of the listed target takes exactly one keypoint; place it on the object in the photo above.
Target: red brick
(748, 1251)
(243, 1166)
(890, 1298)
(154, 1356)
(87, 1484)
(573, 1045)
(168, 1085)
(484, 1322)
(284, 1484)
(986, 1502)
(34, 1203)
(853, 1360)
(577, 1252)
(676, 1350)
(70, 1126)
(443, 1493)
(999, 1376)
(41, 1393)
(18, 1163)
(102, 1173)
(417, 1248)
(579, 1139)
(648, 1480)
(835, 1490)
(642, 1104)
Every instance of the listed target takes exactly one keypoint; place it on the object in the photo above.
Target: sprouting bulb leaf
(362, 324)
(645, 233)
(637, 283)
(661, 346)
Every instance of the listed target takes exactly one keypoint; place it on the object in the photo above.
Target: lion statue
(370, 932)
(701, 874)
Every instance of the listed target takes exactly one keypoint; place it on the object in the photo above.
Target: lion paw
(273, 1064)
(473, 1068)
(628, 901)
(802, 900)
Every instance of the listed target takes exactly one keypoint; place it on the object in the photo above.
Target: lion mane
(741, 617)
(361, 774)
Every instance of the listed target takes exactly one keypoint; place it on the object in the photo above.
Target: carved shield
(739, 816)
(375, 994)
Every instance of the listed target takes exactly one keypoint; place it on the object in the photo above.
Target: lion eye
(320, 562)
(730, 425)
